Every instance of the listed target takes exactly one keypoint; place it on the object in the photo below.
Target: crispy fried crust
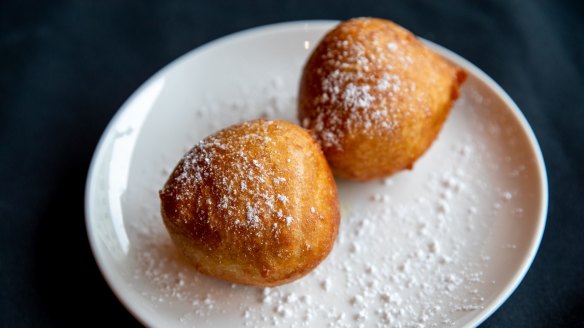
(375, 97)
(255, 204)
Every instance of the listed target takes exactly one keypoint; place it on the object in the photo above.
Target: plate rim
(137, 311)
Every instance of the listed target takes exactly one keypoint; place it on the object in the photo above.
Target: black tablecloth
(67, 66)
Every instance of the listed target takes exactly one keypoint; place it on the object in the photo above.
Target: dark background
(67, 66)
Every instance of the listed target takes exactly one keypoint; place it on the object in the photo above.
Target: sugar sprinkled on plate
(399, 261)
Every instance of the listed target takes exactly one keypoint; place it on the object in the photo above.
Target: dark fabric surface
(67, 66)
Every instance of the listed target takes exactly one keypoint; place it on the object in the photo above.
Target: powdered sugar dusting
(237, 176)
(414, 250)
(360, 87)
(357, 96)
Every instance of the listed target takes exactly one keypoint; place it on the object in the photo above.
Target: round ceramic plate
(441, 245)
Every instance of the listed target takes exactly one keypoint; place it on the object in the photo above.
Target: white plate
(444, 244)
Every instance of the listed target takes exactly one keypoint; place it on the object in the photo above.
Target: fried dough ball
(255, 203)
(375, 97)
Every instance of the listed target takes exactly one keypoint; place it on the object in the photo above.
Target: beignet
(375, 97)
(255, 203)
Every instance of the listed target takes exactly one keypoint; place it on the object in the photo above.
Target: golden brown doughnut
(375, 97)
(255, 203)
